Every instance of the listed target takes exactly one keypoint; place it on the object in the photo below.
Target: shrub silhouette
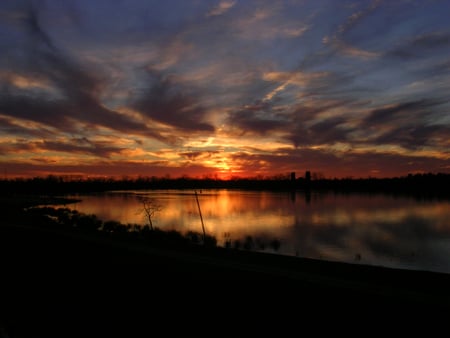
(65, 218)
(275, 244)
(112, 226)
(248, 243)
(88, 223)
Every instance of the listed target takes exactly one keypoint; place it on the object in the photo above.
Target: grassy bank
(73, 282)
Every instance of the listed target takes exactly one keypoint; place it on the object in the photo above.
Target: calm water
(356, 228)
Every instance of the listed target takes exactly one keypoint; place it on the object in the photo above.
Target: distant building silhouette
(307, 176)
(292, 176)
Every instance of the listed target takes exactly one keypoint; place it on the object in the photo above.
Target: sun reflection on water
(373, 229)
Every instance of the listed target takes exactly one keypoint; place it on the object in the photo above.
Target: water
(375, 229)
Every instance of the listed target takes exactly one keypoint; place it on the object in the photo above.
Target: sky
(224, 88)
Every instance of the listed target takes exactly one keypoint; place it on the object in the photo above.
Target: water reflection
(359, 228)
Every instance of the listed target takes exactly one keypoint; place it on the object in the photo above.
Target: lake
(375, 229)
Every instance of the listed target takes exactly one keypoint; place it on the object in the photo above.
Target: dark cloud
(33, 25)
(421, 45)
(258, 119)
(44, 166)
(73, 146)
(8, 127)
(51, 113)
(337, 77)
(324, 132)
(301, 125)
(306, 129)
(61, 113)
(194, 155)
(81, 146)
(408, 124)
(297, 121)
(401, 112)
(79, 84)
(18, 146)
(414, 137)
(171, 104)
(328, 131)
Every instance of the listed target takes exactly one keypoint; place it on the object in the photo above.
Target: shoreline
(66, 282)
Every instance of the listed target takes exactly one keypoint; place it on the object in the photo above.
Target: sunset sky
(226, 88)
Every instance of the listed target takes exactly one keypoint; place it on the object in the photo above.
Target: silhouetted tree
(150, 207)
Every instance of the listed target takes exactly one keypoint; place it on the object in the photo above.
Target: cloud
(50, 113)
(221, 8)
(269, 21)
(13, 126)
(297, 78)
(247, 83)
(386, 164)
(409, 124)
(79, 85)
(317, 122)
(329, 131)
(80, 146)
(415, 137)
(353, 51)
(337, 41)
(428, 43)
(173, 105)
(400, 112)
(68, 146)
(259, 118)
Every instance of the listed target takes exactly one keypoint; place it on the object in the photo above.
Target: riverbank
(64, 281)
(66, 284)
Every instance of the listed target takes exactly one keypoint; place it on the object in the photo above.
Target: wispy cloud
(222, 7)
(169, 104)
(339, 40)
(263, 87)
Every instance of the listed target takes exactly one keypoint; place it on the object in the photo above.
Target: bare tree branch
(149, 208)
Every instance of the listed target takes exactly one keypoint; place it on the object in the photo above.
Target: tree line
(426, 185)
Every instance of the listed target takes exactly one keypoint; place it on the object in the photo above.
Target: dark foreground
(58, 284)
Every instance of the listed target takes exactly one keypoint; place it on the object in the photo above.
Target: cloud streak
(225, 87)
